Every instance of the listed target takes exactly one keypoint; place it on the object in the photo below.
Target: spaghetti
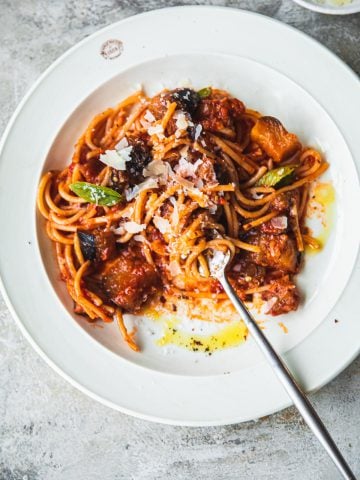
(155, 184)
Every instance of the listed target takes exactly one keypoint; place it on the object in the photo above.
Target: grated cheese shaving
(133, 227)
(116, 158)
(175, 214)
(212, 208)
(198, 130)
(181, 121)
(187, 169)
(156, 130)
(139, 238)
(149, 116)
(148, 184)
(122, 144)
(145, 124)
(154, 168)
(162, 224)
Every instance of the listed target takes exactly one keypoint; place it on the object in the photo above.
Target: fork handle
(289, 383)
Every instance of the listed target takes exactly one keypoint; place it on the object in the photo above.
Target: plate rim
(2, 285)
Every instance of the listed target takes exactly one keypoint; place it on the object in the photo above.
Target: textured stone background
(48, 430)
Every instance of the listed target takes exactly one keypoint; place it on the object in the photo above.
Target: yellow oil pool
(228, 336)
(322, 205)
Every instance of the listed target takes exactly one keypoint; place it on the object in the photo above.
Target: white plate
(332, 7)
(198, 44)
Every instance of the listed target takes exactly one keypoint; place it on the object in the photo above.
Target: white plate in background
(185, 387)
(331, 7)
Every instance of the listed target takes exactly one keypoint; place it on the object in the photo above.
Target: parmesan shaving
(197, 164)
(145, 124)
(133, 227)
(154, 168)
(162, 224)
(156, 130)
(148, 184)
(122, 144)
(212, 208)
(175, 214)
(181, 121)
(116, 158)
(139, 238)
(125, 153)
(149, 116)
(187, 169)
(198, 130)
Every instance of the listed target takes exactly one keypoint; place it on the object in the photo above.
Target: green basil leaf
(278, 177)
(96, 193)
(204, 92)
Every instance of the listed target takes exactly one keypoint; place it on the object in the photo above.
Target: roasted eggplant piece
(276, 251)
(129, 281)
(87, 245)
(272, 137)
(97, 245)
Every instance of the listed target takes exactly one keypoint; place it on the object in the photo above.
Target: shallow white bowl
(266, 90)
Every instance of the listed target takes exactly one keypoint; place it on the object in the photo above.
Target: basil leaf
(96, 193)
(278, 177)
(204, 92)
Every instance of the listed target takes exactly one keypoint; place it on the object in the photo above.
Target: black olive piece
(87, 245)
(140, 157)
(187, 99)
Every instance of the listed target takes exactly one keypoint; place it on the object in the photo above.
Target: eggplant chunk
(276, 251)
(129, 281)
(87, 245)
(272, 137)
(98, 245)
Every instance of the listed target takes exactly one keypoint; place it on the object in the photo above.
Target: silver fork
(217, 266)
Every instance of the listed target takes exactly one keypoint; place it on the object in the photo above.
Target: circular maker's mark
(111, 49)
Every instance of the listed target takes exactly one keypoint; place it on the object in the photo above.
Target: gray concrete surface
(50, 431)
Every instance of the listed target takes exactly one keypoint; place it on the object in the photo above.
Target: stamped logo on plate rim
(111, 49)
